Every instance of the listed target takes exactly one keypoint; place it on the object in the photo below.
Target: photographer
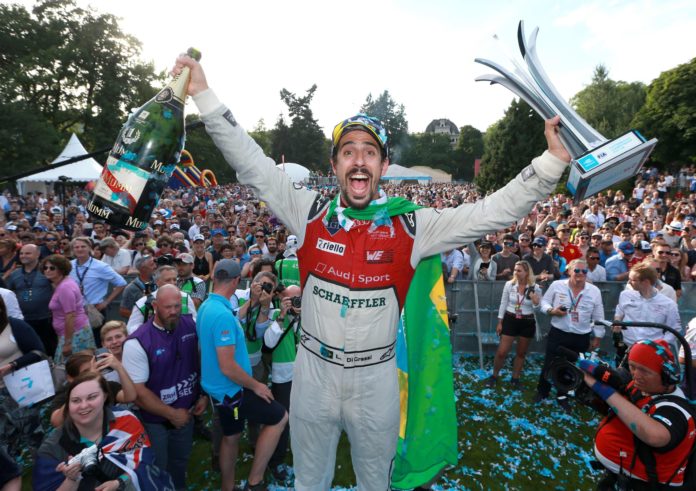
(646, 439)
(142, 285)
(573, 305)
(282, 337)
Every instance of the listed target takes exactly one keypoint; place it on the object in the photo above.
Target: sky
(422, 52)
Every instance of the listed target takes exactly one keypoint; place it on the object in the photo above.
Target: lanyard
(27, 283)
(81, 278)
(574, 302)
(518, 305)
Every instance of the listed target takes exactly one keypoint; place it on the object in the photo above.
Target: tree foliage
(65, 69)
(302, 141)
(392, 115)
(205, 154)
(431, 149)
(469, 148)
(607, 105)
(510, 144)
(669, 114)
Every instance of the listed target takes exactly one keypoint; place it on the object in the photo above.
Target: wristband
(604, 391)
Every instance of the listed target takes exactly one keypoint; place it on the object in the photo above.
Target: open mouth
(359, 183)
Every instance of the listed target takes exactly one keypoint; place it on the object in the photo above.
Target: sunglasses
(50, 239)
(260, 236)
(662, 252)
(580, 271)
(522, 239)
(674, 254)
(138, 244)
(593, 258)
(49, 267)
(537, 245)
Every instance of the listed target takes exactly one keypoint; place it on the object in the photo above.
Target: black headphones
(670, 372)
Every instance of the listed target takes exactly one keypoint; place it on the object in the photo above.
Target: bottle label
(121, 183)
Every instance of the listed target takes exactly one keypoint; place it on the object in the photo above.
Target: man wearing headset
(646, 439)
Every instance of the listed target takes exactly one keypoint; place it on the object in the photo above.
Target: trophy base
(612, 162)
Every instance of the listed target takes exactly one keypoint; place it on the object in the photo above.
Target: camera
(267, 287)
(568, 378)
(296, 302)
(528, 292)
(563, 308)
(88, 459)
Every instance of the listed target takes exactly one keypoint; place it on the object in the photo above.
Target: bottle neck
(179, 84)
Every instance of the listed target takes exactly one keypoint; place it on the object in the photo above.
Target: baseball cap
(39, 227)
(226, 269)
(218, 231)
(174, 226)
(11, 228)
(361, 122)
(539, 241)
(185, 258)
(159, 222)
(689, 218)
(651, 354)
(676, 225)
(290, 246)
(56, 209)
(198, 237)
(643, 245)
(626, 247)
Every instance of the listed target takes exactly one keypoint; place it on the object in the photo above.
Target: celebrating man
(357, 256)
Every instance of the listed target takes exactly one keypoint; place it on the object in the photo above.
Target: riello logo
(331, 247)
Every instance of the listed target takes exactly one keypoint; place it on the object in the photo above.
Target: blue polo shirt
(615, 266)
(218, 326)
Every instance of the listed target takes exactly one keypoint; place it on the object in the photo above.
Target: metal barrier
(477, 303)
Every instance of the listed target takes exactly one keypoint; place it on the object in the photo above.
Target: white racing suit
(354, 285)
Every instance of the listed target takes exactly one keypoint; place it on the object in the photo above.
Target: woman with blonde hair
(521, 297)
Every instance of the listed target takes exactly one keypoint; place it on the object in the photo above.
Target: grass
(505, 442)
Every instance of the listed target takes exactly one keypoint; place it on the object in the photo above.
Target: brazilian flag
(428, 427)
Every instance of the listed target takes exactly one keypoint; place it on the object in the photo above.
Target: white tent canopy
(81, 171)
(397, 172)
(297, 173)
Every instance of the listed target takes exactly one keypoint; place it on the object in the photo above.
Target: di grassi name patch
(332, 247)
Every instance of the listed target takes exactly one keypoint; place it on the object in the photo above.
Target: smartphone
(98, 353)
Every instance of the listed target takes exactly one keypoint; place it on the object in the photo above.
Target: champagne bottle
(143, 158)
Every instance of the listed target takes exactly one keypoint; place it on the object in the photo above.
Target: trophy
(597, 163)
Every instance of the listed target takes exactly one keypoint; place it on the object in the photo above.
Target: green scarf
(428, 428)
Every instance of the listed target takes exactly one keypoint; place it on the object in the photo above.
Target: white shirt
(599, 274)
(690, 336)
(121, 260)
(11, 303)
(137, 318)
(657, 309)
(511, 298)
(588, 305)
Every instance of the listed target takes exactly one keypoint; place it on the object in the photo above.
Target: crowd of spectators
(61, 270)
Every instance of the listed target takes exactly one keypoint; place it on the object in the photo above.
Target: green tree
(392, 115)
(280, 139)
(431, 149)
(669, 114)
(469, 148)
(71, 69)
(607, 105)
(305, 142)
(206, 154)
(510, 144)
(263, 136)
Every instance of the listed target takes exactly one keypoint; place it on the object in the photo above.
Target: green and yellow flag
(428, 431)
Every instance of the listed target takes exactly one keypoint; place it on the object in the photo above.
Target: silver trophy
(597, 163)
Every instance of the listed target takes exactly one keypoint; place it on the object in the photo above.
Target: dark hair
(3, 315)
(256, 268)
(85, 377)
(60, 262)
(75, 362)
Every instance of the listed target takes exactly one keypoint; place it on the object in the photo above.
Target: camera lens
(296, 302)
